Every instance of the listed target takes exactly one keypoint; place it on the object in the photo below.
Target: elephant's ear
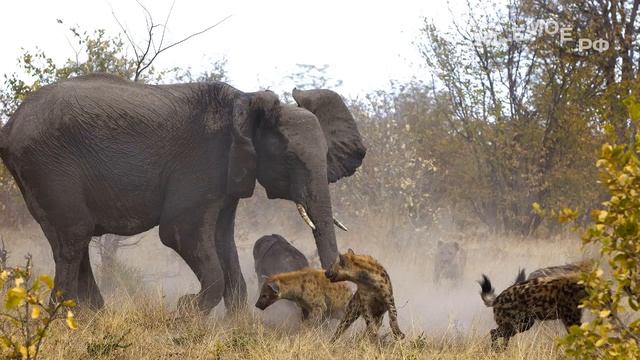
(248, 111)
(346, 150)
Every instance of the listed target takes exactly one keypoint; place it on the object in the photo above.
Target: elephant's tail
(488, 293)
(3, 141)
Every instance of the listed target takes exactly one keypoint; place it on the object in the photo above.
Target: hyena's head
(269, 293)
(347, 267)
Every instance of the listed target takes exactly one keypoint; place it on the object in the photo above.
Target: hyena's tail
(487, 294)
(522, 277)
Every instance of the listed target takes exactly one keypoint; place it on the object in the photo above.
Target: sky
(365, 43)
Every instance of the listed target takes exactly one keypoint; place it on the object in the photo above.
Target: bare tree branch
(145, 57)
(163, 49)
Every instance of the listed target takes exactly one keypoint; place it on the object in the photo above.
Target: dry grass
(151, 331)
(446, 321)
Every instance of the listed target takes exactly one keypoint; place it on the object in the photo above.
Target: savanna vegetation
(508, 125)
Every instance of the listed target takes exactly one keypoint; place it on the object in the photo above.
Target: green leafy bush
(615, 300)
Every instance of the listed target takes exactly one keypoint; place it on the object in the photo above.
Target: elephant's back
(273, 255)
(97, 108)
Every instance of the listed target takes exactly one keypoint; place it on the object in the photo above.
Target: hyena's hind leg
(352, 313)
(571, 318)
(374, 322)
(502, 331)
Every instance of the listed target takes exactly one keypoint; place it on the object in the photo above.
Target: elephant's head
(295, 152)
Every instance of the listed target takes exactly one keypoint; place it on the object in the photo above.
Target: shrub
(614, 333)
(27, 313)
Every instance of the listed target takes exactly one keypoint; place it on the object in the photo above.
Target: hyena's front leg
(393, 318)
(351, 314)
(318, 311)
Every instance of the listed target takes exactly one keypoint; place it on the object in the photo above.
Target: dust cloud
(453, 308)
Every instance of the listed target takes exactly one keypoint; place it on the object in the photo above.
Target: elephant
(273, 254)
(100, 154)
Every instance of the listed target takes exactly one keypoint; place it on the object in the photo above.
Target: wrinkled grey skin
(450, 261)
(98, 154)
(273, 254)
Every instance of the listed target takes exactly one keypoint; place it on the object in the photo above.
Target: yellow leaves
(601, 342)
(566, 215)
(601, 163)
(69, 303)
(606, 150)
(71, 320)
(47, 280)
(602, 216)
(623, 179)
(26, 313)
(35, 312)
(604, 313)
(27, 352)
(537, 208)
(15, 297)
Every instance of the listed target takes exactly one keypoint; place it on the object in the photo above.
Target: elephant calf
(273, 254)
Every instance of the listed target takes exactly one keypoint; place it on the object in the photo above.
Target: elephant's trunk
(318, 206)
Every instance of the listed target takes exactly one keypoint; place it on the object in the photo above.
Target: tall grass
(147, 329)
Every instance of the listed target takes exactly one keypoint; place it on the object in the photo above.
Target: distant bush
(121, 277)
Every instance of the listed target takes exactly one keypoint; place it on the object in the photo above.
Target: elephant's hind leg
(189, 237)
(88, 291)
(69, 246)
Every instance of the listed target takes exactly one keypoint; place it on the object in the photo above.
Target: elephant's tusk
(339, 224)
(305, 217)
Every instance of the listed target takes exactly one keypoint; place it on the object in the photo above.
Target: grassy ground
(442, 321)
(147, 329)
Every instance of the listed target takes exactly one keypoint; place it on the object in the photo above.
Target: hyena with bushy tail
(545, 298)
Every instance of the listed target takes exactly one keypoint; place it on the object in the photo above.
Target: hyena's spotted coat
(374, 296)
(520, 305)
(310, 289)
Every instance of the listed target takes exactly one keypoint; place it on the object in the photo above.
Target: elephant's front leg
(235, 288)
(190, 235)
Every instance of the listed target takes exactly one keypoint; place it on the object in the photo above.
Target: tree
(521, 113)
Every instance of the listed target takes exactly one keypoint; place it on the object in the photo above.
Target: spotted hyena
(374, 296)
(520, 305)
(317, 297)
(449, 263)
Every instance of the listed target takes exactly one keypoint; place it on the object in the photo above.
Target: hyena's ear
(350, 252)
(341, 260)
(274, 286)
